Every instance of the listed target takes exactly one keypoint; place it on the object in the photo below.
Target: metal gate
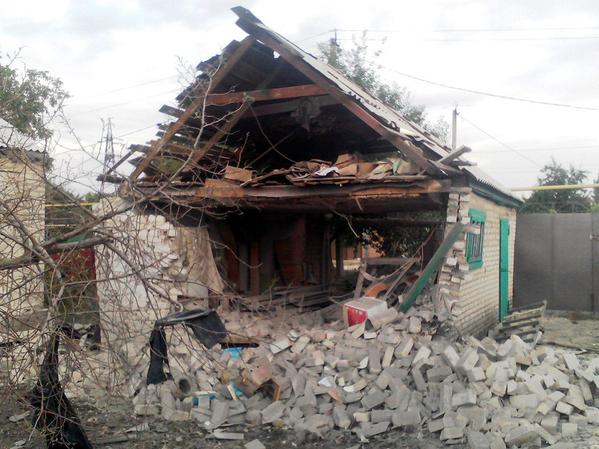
(557, 259)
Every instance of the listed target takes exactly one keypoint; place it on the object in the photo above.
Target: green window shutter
(474, 242)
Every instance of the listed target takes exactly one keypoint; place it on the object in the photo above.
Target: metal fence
(557, 259)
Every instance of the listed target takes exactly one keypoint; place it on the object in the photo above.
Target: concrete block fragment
(467, 361)
(222, 435)
(465, 397)
(362, 417)
(373, 399)
(575, 398)
(388, 357)
(450, 356)
(273, 412)
(477, 440)
(505, 349)
(435, 425)
(301, 343)
(438, 374)
(254, 417)
(496, 441)
(146, 410)
(408, 418)
(404, 347)
(377, 416)
(569, 429)
(445, 398)
(585, 389)
(254, 444)
(499, 388)
(418, 378)
(421, 355)
(383, 380)
(368, 430)
(476, 374)
(220, 413)
(545, 435)
(415, 325)
(341, 417)
(358, 386)
(477, 416)
(452, 433)
(280, 345)
(524, 401)
(374, 360)
(564, 408)
(571, 361)
(550, 422)
(521, 435)
(592, 415)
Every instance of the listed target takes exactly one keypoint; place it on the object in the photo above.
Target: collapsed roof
(287, 119)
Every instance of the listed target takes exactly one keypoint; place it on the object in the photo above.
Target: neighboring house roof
(13, 141)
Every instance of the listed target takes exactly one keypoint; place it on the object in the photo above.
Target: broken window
(475, 240)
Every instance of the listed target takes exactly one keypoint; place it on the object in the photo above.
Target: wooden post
(339, 255)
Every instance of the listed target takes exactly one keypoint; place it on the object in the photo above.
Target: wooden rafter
(217, 136)
(409, 150)
(195, 105)
(278, 93)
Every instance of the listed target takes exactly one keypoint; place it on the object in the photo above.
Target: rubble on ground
(313, 377)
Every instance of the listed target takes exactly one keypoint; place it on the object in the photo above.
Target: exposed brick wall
(475, 293)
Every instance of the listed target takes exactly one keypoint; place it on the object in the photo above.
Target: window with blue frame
(475, 241)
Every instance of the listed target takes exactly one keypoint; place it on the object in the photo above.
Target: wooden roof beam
(195, 104)
(278, 93)
(412, 152)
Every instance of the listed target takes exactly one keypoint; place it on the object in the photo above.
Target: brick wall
(475, 293)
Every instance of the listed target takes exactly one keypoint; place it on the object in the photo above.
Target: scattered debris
(17, 418)
(403, 374)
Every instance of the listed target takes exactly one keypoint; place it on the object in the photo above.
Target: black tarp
(206, 326)
(53, 414)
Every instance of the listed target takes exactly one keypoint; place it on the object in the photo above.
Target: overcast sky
(122, 59)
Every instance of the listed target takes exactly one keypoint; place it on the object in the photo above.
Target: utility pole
(454, 128)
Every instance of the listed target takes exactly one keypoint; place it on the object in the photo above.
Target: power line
(532, 150)
(469, 30)
(503, 144)
(101, 108)
(411, 37)
(490, 94)
(143, 83)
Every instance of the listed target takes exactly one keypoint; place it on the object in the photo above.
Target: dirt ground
(106, 423)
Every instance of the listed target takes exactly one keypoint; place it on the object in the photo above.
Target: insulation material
(193, 244)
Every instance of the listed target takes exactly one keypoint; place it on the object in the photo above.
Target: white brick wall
(477, 305)
(475, 293)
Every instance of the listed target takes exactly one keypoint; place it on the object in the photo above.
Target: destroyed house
(290, 164)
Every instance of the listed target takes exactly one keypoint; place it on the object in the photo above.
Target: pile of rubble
(368, 381)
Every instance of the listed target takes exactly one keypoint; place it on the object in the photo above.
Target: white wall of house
(176, 262)
(22, 191)
(474, 293)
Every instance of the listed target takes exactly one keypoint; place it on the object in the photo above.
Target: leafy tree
(29, 99)
(575, 200)
(359, 63)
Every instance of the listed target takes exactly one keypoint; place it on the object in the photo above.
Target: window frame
(475, 261)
